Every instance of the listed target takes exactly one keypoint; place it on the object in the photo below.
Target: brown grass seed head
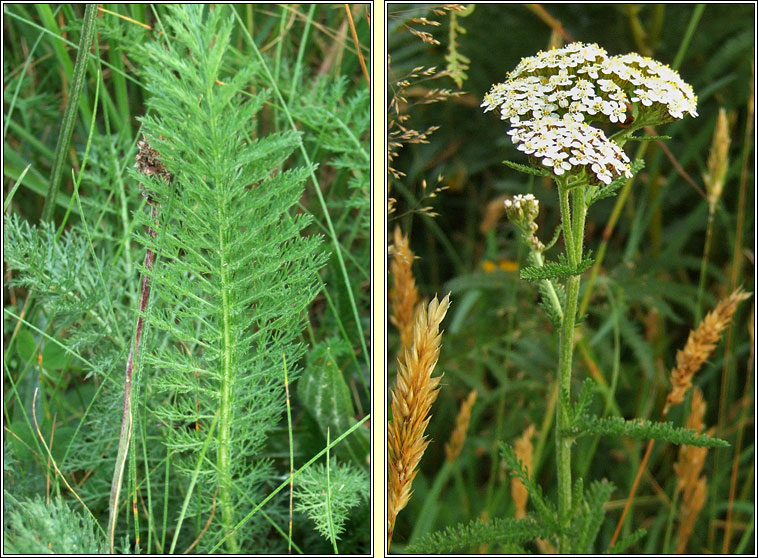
(700, 344)
(412, 397)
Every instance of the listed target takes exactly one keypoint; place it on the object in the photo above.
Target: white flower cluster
(583, 80)
(549, 98)
(526, 206)
(564, 143)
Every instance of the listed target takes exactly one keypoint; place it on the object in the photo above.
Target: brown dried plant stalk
(688, 468)
(412, 397)
(148, 163)
(454, 447)
(403, 294)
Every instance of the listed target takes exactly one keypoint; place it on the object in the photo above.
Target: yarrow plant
(552, 99)
(553, 102)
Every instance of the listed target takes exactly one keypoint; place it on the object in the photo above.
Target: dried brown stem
(148, 164)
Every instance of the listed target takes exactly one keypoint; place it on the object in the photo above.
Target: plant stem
(573, 234)
(126, 417)
(223, 456)
(704, 263)
(69, 116)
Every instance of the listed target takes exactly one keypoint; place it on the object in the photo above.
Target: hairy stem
(573, 234)
(223, 458)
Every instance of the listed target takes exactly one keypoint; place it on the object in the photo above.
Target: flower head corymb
(552, 99)
(565, 145)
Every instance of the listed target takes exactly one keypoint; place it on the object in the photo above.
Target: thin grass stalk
(697, 13)
(52, 459)
(412, 397)
(304, 42)
(126, 415)
(292, 448)
(332, 536)
(69, 115)
(741, 423)
(688, 469)
(357, 44)
(736, 269)
(718, 165)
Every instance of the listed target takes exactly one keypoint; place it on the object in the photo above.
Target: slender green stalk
(291, 444)
(69, 116)
(704, 263)
(697, 13)
(225, 416)
(332, 536)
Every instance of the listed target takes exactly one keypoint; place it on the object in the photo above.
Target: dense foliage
(661, 259)
(251, 200)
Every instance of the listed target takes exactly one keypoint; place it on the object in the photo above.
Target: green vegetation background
(644, 303)
(313, 60)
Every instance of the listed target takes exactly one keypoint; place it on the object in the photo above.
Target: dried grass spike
(688, 468)
(403, 294)
(455, 445)
(492, 214)
(700, 344)
(718, 159)
(525, 452)
(412, 397)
